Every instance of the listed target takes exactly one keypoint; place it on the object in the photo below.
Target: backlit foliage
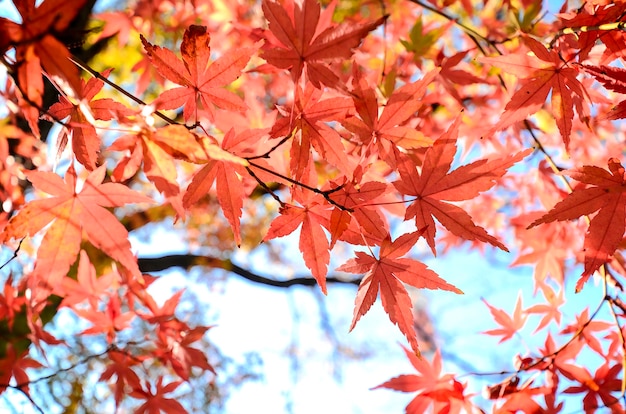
(376, 126)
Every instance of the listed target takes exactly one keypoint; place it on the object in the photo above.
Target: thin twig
(325, 194)
(265, 186)
(118, 88)
(268, 152)
(19, 245)
(471, 33)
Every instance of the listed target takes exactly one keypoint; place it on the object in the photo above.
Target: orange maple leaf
(226, 170)
(386, 274)
(585, 328)
(384, 132)
(111, 321)
(86, 286)
(313, 241)
(543, 72)
(550, 309)
(73, 212)
(156, 401)
(199, 82)
(11, 302)
(13, 365)
(307, 123)
(606, 229)
(121, 366)
(368, 220)
(436, 184)
(158, 148)
(36, 47)
(174, 347)
(85, 139)
(545, 248)
(443, 391)
(309, 39)
(604, 383)
(509, 326)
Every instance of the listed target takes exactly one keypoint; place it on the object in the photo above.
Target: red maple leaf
(606, 229)
(359, 204)
(174, 347)
(385, 131)
(443, 391)
(550, 309)
(521, 400)
(160, 313)
(544, 248)
(156, 402)
(617, 112)
(436, 185)
(226, 170)
(614, 79)
(604, 382)
(509, 326)
(310, 40)
(117, 23)
(11, 302)
(542, 73)
(555, 358)
(596, 14)
(610, 77)
(121, 366)
(109, 322)
(307, 124)
(450, 76)
(36, 46)
(386, 273)
(14, 365)
(158, 148)
(313, 241)
(85, 140)
(72, 213)
(86, 286)
(585, 328)
(199, 82)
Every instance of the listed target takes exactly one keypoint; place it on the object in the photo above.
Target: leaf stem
(324, 194)
(265, 187)
(268, 152)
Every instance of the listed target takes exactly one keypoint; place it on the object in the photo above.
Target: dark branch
(14, 254)
(187, 261)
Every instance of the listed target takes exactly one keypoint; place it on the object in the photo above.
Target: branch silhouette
(187, 261)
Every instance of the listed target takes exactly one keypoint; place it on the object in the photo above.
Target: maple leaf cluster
(362, 128)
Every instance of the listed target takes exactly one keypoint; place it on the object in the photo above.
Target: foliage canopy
(347, 126)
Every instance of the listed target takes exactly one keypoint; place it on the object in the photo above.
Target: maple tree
(372, 133)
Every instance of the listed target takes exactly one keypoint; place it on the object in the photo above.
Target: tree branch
(187, 261)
